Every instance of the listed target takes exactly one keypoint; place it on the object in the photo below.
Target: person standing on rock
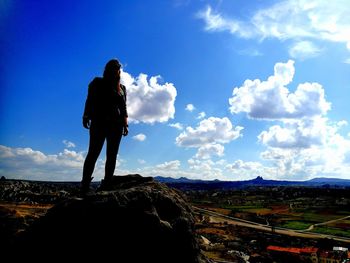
(106, 116)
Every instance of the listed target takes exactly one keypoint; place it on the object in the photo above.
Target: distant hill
(162, 179)
(329, 180)
(185, 183)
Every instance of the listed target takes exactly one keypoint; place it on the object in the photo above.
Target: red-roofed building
(307, 254)
(292, 250)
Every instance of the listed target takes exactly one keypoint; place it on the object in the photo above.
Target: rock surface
(135, 220)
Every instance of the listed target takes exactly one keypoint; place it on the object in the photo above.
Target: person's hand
(86, 122)
(125, 130)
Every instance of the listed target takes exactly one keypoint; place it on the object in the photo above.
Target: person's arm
(87, 109)
(125, 113)
(126, 126)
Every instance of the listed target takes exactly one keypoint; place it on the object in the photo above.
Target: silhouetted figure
(106, 116)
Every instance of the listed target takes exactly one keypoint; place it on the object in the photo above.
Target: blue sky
(216, 89)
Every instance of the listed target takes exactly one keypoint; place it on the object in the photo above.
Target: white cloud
(216, 22)
(291, 19)
(148, 100)
(190, 107)
(207, 169)
(209, 150)
(304, 50)
(29, 164)
(240, 165)
(306, 163)
(302, 143)
(329, 158)
(270, 99)
(303, 133)
(201, 115)
(139, 137)
(209, 131)
(68, 144)
(26, 163)
(209, 136)
(177, 125)
(172, 165)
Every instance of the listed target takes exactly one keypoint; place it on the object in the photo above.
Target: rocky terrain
(134, 219)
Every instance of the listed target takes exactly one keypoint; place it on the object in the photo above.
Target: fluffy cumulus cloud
(329, 160)
(208, 150)
(307, 148)
(290, 19)
(209, 131)
(209, 136)
(239, 165)
(302, 142)
(149, 101)
(302, 133)
(172, 165)
(139, 137)
(27, 163)
(271, 99)
(207, 169)
(190, 107)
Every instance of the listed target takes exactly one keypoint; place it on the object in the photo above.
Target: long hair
(111, 68)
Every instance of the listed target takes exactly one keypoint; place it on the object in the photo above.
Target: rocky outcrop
(37, 192)
(134, 219)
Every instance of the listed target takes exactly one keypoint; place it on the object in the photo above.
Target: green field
(295, 225)
(332, 231)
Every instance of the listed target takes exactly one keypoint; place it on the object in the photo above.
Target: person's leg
(97, 138)
(114, 136)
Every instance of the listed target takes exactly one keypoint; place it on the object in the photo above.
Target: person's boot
(106, 184)
(85, 186)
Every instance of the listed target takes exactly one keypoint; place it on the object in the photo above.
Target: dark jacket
(103, 102)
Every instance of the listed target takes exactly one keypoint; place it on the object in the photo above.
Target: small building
(341, 249)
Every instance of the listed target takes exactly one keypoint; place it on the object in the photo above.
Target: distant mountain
(329, 180)
(185, 183)
(176, 180)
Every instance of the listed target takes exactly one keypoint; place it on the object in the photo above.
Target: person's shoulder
(96, 82)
